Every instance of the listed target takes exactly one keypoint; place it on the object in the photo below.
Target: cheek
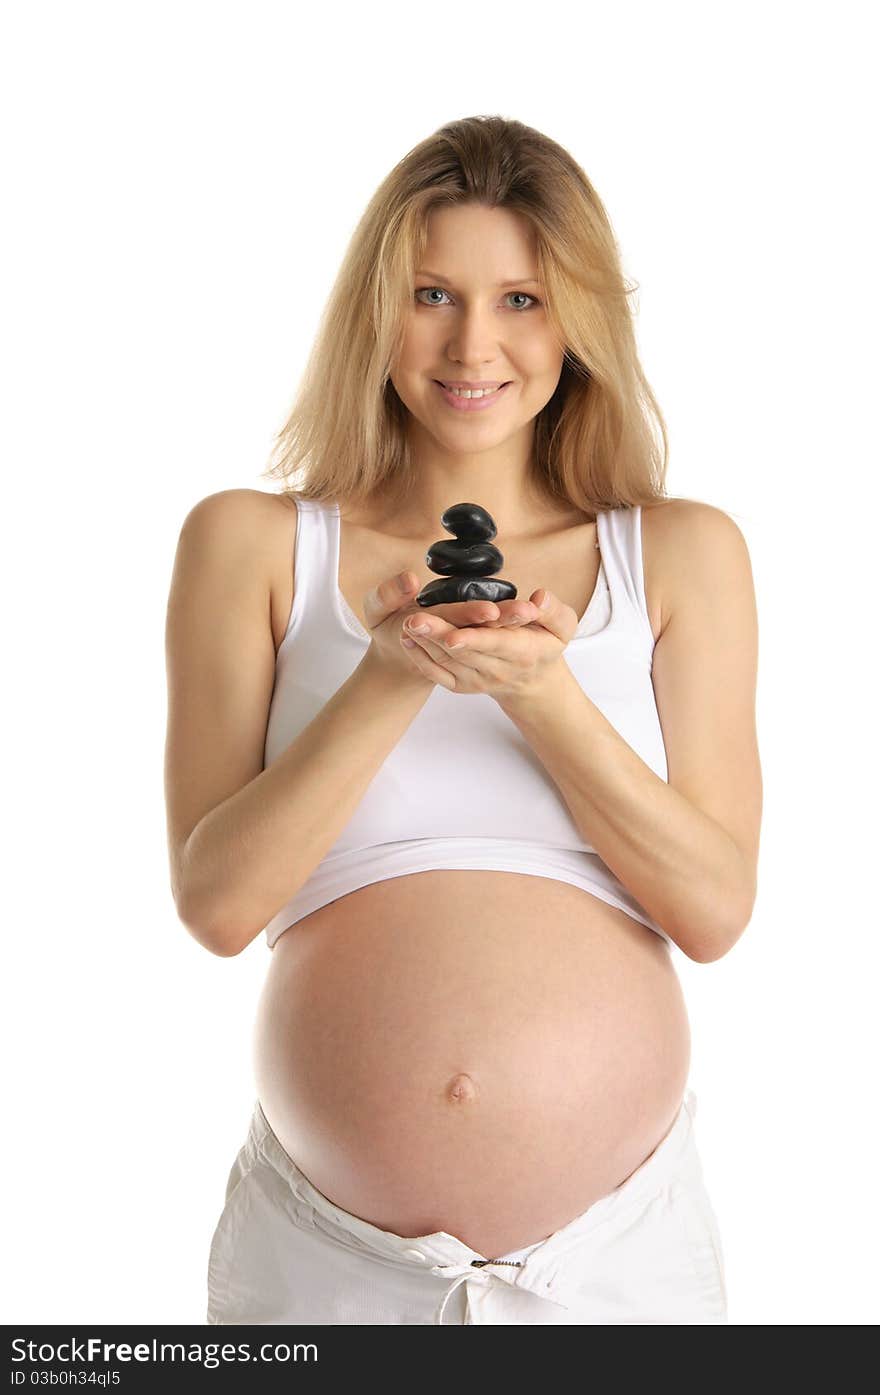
(542, 368)
(421, 339)
(540, 354)
(418, 353)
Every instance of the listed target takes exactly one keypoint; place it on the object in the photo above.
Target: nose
(474, 339)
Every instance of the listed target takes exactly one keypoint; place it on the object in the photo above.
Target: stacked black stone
(467, 564)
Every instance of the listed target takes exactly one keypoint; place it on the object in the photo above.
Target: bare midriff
(479, 1052)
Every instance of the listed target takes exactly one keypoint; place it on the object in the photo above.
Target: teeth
(466, 392)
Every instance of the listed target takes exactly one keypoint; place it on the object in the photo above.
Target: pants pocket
(223, 1241)
(259, 1263)
(702, 1237)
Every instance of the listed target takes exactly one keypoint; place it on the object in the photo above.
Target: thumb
(389, 596)
(407, 584)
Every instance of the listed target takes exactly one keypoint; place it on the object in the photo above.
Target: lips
(472, 387)
(486, 402)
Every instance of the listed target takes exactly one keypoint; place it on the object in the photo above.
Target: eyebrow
(502, 285)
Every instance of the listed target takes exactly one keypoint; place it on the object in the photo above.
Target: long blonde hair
(600, 442)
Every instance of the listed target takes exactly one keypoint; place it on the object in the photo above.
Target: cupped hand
(388, 605)
(514, 655)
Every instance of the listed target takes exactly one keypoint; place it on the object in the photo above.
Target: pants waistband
(674, 1156)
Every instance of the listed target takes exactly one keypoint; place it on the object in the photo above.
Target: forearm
(681, 866)
(252, 853)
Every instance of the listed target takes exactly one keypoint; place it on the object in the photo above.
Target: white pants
(648, 1252)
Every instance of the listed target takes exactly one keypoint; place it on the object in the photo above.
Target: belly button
(461, 1088)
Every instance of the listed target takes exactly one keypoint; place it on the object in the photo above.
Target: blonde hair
(600, 442)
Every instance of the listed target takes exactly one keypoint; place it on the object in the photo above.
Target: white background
(181, 181)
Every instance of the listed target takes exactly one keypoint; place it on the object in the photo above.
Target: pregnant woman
(475, 835)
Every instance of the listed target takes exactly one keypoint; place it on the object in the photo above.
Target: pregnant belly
(483, 1053)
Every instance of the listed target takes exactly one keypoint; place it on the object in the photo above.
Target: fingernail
(418, 629)
(403, 582)
(546, 601)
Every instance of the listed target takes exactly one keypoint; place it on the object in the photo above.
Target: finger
(460, 646)
(388, 596)
(445, 648)
(463, 612)
(554, 614)
(426, 623)
(432, 641)
(439, 637)
(426, 665)
(517, 613)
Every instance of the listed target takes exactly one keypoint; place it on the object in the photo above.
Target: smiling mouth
(476, 388)
(440, 384)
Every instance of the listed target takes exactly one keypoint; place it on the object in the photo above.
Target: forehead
(479, 246)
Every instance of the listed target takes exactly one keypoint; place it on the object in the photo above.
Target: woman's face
(465, 325)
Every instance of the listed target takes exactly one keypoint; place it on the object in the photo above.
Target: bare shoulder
(245, 511)
(251, 524)
(676, 534)
(255, 532)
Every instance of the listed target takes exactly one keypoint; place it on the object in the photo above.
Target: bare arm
(243, 840)
(679, 863)
(686, 848)
(248, 856)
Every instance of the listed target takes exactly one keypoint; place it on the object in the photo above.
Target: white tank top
(507, 813)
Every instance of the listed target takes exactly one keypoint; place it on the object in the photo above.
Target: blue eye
(423, 289)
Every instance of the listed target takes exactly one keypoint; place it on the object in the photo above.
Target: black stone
(464, 559)
(467, 564)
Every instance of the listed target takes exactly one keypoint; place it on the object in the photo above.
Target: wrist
(390, 682)
(552, 689)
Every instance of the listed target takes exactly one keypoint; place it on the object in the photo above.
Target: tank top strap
(620, 544)
(315, 580)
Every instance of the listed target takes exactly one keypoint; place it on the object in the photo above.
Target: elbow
(214, 933)
(706, 949)
(220, 948)
(223, 948)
